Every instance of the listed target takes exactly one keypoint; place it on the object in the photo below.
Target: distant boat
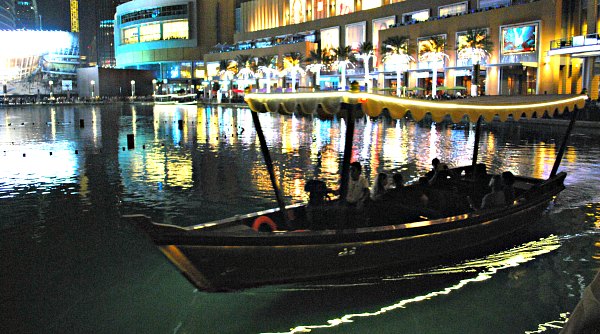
(176, 99)
(185, 98)
(164, 99)
(313, 241)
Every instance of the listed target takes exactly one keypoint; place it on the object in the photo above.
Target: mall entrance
(518, 80)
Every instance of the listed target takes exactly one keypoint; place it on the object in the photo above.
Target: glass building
(170, 37)
(26, 14)
(7, 14)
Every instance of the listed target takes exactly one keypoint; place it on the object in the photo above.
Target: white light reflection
(433, 142)
(53, 122)
(551, 325)
(488, 267)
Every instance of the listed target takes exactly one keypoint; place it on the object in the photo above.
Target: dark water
(69, 265)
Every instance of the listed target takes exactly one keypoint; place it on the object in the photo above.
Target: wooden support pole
(350, 108)
(476, 147)
(563, 145)
(269, 164)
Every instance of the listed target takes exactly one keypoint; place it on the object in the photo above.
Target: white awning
(373, 105)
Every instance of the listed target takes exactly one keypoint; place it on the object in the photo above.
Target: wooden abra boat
(304, 242)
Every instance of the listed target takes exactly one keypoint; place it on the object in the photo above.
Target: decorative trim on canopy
(373, 105)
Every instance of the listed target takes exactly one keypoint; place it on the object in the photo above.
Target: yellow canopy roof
(373, 105)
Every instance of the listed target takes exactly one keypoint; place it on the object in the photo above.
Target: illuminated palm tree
(398, 56)
(315, 65)
(226, 73)
(432, 52)
(366, 52)
(267, 66)
(475, 46)
(245, 71)
(345, 57)
(292, 66)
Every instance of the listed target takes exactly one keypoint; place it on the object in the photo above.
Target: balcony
(583, 45)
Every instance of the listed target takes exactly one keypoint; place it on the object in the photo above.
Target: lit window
(454, 9)
(422, 15)
(371, 4)
(150, 32)
(130, 35)
(493, 3)
(176, 30)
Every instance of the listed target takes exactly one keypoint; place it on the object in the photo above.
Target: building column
(587, 69)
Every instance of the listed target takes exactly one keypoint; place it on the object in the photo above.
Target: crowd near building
(418, 47)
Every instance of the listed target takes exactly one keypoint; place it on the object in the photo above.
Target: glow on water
(482, 269)
(212, 168)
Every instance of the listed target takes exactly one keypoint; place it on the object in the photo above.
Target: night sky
(55, 14)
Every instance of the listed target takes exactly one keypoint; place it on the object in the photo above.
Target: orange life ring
(262, 220)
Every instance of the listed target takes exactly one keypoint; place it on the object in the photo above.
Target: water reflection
(212, 168)
(480, 270)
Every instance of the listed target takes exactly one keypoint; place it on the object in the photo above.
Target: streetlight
(93, 83)
(132, 88)
(50, 83)
(154, 86)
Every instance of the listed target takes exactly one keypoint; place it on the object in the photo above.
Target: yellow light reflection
(95, 126)
(485, 268)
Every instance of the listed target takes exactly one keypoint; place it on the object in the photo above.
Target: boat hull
(218, 261)
(242, 266)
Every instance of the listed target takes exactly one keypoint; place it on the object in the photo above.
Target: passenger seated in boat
(495, 198)
(406, 195)
(435, 164)
(318, 192)
(318, 215)
(439, 174)
(379, 187)
(508, 181)
(402, 204)
(358, 186)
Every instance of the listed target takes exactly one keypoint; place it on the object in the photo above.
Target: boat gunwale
(164, 234)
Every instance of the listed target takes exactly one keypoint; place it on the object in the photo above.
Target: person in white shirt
(358, 186)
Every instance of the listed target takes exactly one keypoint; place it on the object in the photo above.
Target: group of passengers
(386, 188)
(390, 197)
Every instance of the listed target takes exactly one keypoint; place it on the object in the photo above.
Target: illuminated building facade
(170, 37)
(533, 46)
(7, 14)
(47, 56)
(26, 14)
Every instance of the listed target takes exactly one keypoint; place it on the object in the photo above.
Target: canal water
(70, 265)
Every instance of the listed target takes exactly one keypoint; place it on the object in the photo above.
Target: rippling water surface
(70, 265)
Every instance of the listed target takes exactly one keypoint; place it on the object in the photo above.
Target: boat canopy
(373, 105)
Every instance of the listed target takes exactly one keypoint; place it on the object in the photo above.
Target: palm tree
(266, 65)
(398, 54)
(328, 57)
(292, 65)
(475, 47)
(245, 71)
(226, 73)
(314, 63)
(345, 56)
(366, 52)
(432, 52)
